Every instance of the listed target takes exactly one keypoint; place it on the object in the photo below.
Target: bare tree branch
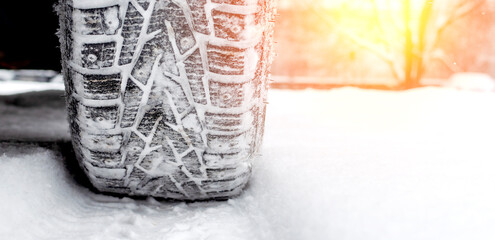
(377, 52)
(419, 51)
(360, 42)
(442, 57)
(464, 8)
(379, 23)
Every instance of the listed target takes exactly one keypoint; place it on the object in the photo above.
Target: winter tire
(166, 98)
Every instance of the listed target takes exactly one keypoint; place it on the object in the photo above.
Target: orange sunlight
(382, 42)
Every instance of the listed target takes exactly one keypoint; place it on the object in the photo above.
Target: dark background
(28, 35)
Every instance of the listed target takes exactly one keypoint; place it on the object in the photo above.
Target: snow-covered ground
(33, 111)
(14, 87)
(339, 164)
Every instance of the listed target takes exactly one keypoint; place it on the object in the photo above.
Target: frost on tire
(166, 98)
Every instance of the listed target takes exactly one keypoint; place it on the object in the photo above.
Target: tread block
(225, 174)
(134, 146)
(99, 87)
(159, 139)
(69, 51)
(151, 160)
(168, 153)
(184, 37)
(144, 3)
(179, 176)
(73, 110)
(75, 131)
(260, 74)
(260, 15)
(101, 142)
(220, 187)
(69, 80)
(178, 96)
(168, 115)
(136, 176)
(226, 60)
(157, 20)
(225, 194)
(193, 129)
(97, 21)
(152, 49)
(131, 30)
(229, 26)
(68, 16)
(98, 55)
(132, 99)
(178, 142)
(231, 2)
(147, 187)
(67, 44)
(219, 160)
(191, 188)
(157, 96)
(117, 185)
(129, 116)
(228, 143)
(229, 95)
(104, 159)
(228, 122)
(198, 13)
(144, 65)
(169, 185)
(260, 128)
(175, 195)
(195, 73)
(192, 164)
(149, 119)
(101, 117)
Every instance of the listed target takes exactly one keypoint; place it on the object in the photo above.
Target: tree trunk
(422, 35)
(409, 81)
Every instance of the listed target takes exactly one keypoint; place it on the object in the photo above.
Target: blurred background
(387, 44)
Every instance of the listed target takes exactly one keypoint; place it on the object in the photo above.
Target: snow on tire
(166, 98)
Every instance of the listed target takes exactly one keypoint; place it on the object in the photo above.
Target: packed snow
(337, 164)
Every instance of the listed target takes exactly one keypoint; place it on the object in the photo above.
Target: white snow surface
(339, 164)
(472, 81)
(14, 86)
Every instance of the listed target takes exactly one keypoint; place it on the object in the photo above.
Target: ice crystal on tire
(166, 98)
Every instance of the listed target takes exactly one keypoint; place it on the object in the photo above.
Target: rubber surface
(167, 98)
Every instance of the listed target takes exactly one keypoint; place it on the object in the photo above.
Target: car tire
(166, 98)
